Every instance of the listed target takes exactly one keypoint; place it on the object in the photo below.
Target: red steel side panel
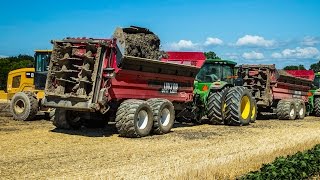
(130, 84)
(188, 58)
(308, 74)
(285, 93)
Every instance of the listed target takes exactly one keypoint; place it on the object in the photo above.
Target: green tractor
(219, 96)
(314, 97)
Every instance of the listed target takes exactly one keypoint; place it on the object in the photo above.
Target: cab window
(316, 82)
(42, 62)
(16, 81)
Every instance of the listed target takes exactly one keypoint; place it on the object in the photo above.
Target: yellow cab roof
(42, 50)
(22, 70)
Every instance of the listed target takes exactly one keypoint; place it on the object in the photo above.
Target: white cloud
(189, 45)
(2, 56)
(310, 41)
(213, 41)
(250, 40)
(232, 55)
(276, 55)
(300, 53)
(252, 55)
(184, 45)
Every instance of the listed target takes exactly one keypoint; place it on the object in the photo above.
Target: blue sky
(282, 32)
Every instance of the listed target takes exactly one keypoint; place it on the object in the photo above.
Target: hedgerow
(298, 166)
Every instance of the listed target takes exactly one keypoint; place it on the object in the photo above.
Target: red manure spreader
(313, 106)
(187, 58)
(98, 80)
(276, 90)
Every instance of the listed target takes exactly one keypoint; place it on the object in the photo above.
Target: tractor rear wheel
(134, 118)
(217, 106)
(239, 109)
(317, 106)
(286, 110)
(24, 106)
(300, 108)
(163, 115)
(65, 119)
(254, 112)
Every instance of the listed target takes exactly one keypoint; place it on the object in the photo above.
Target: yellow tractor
(25, 88)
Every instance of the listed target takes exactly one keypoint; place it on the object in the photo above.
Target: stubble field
(36, 150)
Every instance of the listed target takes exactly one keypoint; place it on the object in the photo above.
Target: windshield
(42, 62)
(316, 82)
(212, 72)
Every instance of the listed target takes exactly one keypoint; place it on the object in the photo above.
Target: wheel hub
(292, 112)
(142, 119)
(165, 117)
(301, 111)
(245, 107)
(19, 107)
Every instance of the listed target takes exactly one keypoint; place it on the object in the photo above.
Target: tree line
(8, 64)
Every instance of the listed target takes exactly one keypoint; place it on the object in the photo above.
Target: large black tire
(254, 112)
(60, 120)
(24, 106)
(65, 119)
(95, 120)
(163, 115)
(217, 106)
(317, 106)
(300, 108)
(134, 118)
(239, 109)
(286, 110)
(122, 109)
(50, 115)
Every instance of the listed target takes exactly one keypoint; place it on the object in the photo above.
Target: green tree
(299, 67)
(211, 55)
(11, 63)
(315, 67)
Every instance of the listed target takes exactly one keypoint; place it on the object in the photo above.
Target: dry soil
(36, 150)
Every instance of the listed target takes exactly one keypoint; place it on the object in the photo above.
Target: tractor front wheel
(217, 106)
(317, 106)
(24, 106)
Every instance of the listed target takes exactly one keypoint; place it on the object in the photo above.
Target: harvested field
(36, 150)
(4, 109)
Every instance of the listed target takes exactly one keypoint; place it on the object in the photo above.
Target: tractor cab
(20, 80)
(214, 76)
(42, 58)
(316, 81)
(215, 73)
